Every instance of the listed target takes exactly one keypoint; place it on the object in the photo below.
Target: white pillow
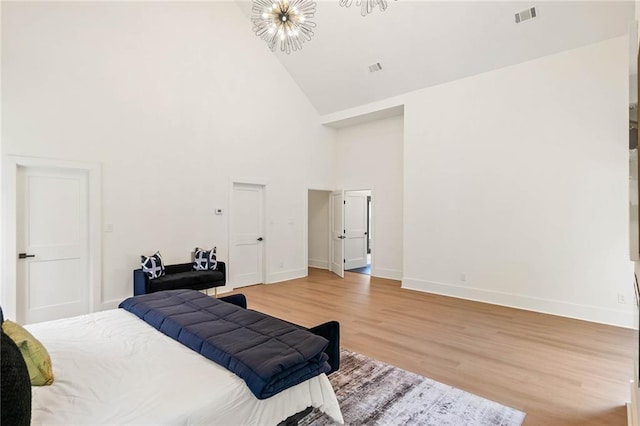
(152, 265)
(205, 260)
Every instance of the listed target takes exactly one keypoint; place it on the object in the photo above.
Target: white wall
(319, 228)
(518, 178)
(369, 156)
(175, 100)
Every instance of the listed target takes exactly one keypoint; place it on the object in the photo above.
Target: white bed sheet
(112, 368)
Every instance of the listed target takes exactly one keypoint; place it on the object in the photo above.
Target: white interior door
(337, 233)
(53, 245)
(247, 225)
(355, 225)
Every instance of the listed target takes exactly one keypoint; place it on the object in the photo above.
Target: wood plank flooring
(559, 371)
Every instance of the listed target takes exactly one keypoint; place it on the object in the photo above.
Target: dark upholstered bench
(180, 276)
(329, 330)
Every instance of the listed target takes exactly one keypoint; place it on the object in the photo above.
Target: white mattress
(112, 368)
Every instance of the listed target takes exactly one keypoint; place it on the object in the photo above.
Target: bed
(113, 368)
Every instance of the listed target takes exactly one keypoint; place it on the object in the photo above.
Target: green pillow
(35, 355)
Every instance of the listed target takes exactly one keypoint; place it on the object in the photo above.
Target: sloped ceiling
(425, 43)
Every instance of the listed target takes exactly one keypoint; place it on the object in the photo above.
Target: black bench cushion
(196, 280)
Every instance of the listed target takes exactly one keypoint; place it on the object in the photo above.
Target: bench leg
(215, 292)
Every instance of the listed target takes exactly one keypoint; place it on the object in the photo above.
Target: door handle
(342, 237)
(25, 255)
(259, 238)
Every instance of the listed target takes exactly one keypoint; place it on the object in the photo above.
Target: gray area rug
(371, 392)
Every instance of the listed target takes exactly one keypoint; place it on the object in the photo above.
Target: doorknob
(342, 237)
(25, 255)
(259, 238)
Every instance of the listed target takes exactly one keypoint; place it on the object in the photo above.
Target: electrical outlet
(463, 277)
(621, 298)
(281, 265)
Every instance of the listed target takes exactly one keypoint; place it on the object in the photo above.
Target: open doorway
(318, 228)
(340, 225)
(358, 231)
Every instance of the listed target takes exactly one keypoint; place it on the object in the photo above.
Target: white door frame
(265, 252)
(9, 214)
(348, 230)
(331, 232)
(373, 221)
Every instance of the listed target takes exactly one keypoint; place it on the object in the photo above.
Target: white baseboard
(110, 304)
(291, 274)
(554, 307)
(632, 405)
(224, 289)
(320, 264)
(391, 274)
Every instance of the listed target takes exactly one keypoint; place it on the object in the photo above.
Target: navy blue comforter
(269, 354)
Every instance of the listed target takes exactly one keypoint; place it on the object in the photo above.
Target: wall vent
(375, 67)
(526, 15)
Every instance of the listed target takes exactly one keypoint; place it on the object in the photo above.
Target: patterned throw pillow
(205, 260)
(152, 265)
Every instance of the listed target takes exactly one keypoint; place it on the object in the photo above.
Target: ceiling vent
(375, 67)
(526, 15)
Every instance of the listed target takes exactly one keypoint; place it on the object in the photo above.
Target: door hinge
(344, 260)
(344, 201)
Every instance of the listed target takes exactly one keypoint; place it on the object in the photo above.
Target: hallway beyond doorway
(364, 269)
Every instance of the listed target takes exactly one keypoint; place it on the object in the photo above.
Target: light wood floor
(558, 370)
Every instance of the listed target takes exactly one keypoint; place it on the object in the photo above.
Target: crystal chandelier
(283, 21)
(366, 6)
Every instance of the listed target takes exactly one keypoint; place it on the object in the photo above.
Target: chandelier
(366, 6)
(284, 22)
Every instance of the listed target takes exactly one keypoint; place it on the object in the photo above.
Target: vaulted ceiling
(425, 43)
